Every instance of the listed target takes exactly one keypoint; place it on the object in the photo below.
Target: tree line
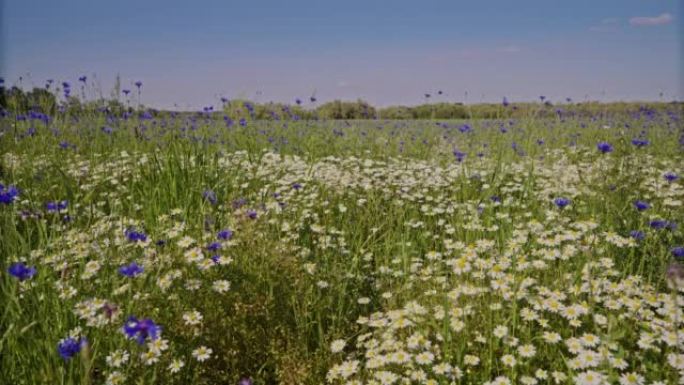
(41, 100)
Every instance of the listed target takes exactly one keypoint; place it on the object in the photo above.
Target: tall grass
(335, 225)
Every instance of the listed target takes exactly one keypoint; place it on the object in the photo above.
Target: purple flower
(251, 214)
(561, 202)
(51, 207)
(135, 236)
(638, 235)
(638, 142)
(678, 252)
(126, 92)
(245, 381)
(670, 176)
(138, 84)
(69, 347)
(225, 234)
(20, 271)
(210, 196)
(459, 155)
(641, 205)
(243, 122)
(8, 194)
(505, 102)
(214, 246)
(141, 329)
(658, 224)
(131, 270)
(604, 147)
(82, 79)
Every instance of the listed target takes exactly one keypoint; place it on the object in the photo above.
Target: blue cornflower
(69, 347)
(670, 176)
(141, 329)
(658, 224)
(8, 194)
(638, 235)
(126, 92)
(639, 142)
(561, 202)
(138, 84)
(131, 270)
(252, 214)
(459, 155)
(135, 236)
(82, 79)
(214, 246)
(505, 102)
(20, 271)
(296, 185)
(225, 234)
(678, 252)
(210, 196)
(52, 207)
(465, 128)
(605, 147)
(641, 205)
(495, 198)
(243, 122)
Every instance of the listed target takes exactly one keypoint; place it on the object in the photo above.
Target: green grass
(370, 232)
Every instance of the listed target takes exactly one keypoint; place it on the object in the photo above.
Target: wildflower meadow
(542, 244)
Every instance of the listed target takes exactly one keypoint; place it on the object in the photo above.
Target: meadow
(141, 248)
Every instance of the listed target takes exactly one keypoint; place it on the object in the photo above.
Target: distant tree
(338, 109)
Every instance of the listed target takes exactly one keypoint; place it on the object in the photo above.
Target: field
(179, 249)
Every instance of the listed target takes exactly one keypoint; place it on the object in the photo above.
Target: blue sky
(188, 54)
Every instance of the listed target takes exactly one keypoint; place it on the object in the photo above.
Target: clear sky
(190, 53)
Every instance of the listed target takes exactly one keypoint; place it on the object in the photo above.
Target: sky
(188, 54)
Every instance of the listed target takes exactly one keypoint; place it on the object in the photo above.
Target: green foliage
(17, 101)
(338, 109)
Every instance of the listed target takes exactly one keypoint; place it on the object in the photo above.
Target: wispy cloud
(642, 21)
